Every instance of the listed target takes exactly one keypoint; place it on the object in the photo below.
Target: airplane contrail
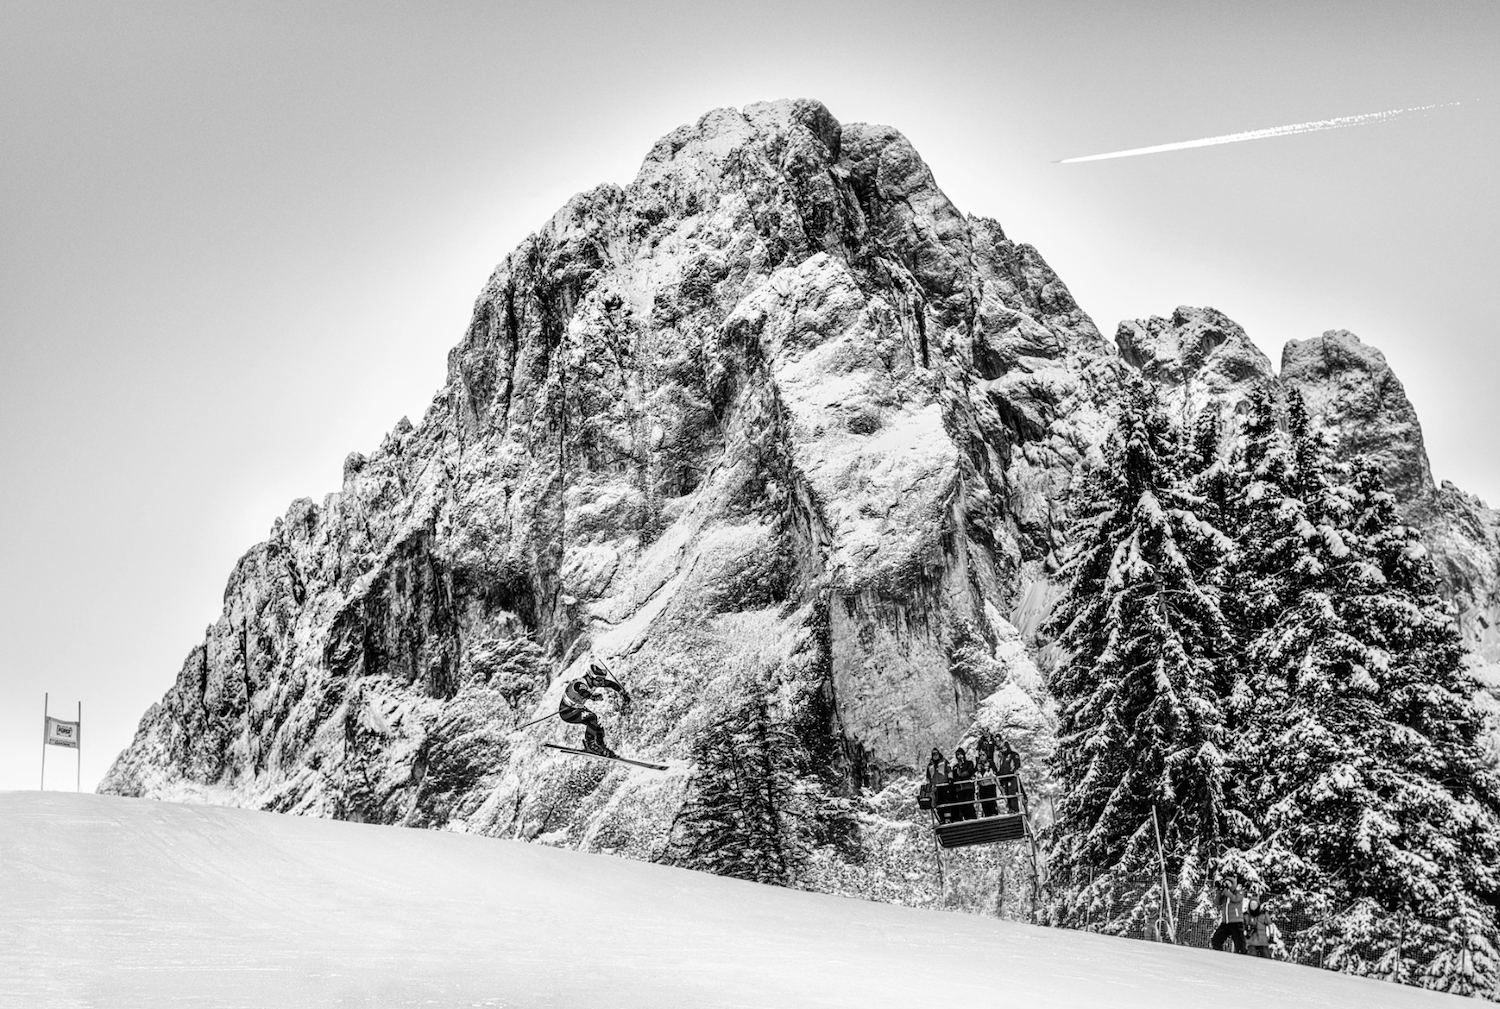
(1274, 131)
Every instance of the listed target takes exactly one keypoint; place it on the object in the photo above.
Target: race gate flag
(61, 733)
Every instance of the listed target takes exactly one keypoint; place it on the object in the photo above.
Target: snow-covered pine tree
(1214, 484)
(1210, 473)
(1359, 754)
(1301, 754)
(1143, 677)
(1268, 555)
(752, 811)
(1444, 794)
(1266, 547)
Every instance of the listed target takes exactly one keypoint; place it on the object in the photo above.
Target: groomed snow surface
(114, 902)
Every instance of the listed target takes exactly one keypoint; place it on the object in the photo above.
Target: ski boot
(598, 748)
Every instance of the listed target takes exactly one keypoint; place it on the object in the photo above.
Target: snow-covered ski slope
(114, 902)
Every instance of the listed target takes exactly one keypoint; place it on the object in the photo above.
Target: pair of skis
(599, 756)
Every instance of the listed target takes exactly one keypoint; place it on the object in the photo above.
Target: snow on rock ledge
(776, 412)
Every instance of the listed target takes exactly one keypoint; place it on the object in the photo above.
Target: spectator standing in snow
(1258, 929)
(1229, 899)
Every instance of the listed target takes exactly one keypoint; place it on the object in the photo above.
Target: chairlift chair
(961, 817)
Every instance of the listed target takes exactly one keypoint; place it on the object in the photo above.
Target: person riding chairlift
(936, 790)
(937, 768)
(1009, 769)
(963, 785)
(984, 752)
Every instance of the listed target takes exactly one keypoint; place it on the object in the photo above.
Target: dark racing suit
(572, 709)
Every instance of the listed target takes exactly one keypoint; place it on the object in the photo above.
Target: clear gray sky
(237, 239)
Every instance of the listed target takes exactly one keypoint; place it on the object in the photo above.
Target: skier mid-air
(573, 708)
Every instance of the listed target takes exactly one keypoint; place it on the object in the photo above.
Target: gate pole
(1166, 898)
(43, 786)
(937, 854)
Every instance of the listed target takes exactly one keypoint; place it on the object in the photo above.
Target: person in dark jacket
(1008, 767)
(573, 708)
(1229, 900)
(963, 767)
(938, 776)
(963, 785)
(984, 752)
(937, 768)
(986, 787)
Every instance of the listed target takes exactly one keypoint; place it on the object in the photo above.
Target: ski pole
(534, 721)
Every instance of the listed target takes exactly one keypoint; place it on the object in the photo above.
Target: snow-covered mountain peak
(772, 428)
(1197, 357)
(1352, 391)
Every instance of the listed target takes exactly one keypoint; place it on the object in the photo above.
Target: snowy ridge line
(133, 903)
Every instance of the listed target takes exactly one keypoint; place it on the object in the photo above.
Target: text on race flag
(61, 733)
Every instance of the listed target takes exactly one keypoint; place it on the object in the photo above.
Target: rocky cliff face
(1200, 359)
(774, 416)
(775, 413)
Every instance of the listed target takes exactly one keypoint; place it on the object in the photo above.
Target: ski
(599, 756)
